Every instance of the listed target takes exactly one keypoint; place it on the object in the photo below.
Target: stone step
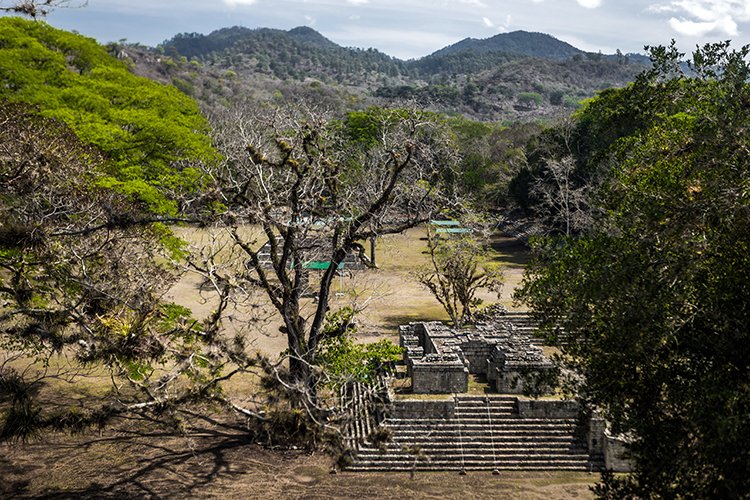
(509, 421)
(467, 433)
(480, 464)
(483, 468)
(478, 459)
(475, 459)
(479, 425)
(571, 446)
(485, 452)
(582, 460)
(503, 410)
(484, 399)
(482, 404)
(484, 431)
(483, 442)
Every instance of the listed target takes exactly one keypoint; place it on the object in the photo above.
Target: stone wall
(615, 453)
(595, 438)
(435, 374)
(426, 409)
(540, 408)
(527, 379)
(476, 351)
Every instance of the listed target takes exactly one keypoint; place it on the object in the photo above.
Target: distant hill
(511, 76)
(520, 43)
(298, 53)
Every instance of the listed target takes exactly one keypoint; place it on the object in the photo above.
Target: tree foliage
(83, 272)
(147, 131)
(651, 304)
(345, 361)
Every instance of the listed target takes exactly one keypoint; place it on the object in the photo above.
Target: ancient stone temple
(449, 421)
(440, 359)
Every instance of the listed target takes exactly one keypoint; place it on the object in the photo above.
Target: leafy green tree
(651, 304)
(83, 271)
(147, 131)
(533, 99)
(344, 361)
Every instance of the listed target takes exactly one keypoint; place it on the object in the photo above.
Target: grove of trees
(649, 302)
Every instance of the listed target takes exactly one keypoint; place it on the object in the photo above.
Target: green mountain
(521, 43)
(511, 76)
(297, 54)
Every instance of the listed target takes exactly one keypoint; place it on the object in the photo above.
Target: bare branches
(38, 8)
(316, 185)
(457, 271)
(562, 200)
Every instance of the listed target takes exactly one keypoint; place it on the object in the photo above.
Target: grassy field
(388, 296)
(214, 459)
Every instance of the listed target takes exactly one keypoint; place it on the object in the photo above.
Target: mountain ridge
(519, 42)
(511, 76)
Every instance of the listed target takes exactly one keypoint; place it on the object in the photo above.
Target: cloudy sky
(414, 28)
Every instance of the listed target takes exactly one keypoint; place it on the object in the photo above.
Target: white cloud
(500, 27)
(703, 17)
(310, 20)
(358, 2)
(589, 4)
(235, 3)
(725, 25)
(478, 3)
(404, 44)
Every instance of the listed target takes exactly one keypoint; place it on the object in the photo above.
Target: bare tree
(458, 269)
(562, 201)
(37, 8)
(316, 185)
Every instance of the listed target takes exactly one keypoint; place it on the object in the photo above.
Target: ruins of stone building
(446, 426)
(439, 359)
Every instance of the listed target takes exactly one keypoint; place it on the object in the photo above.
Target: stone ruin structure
(439, 359)
(449, 427)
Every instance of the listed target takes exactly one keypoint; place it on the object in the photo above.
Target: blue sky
(414, 28)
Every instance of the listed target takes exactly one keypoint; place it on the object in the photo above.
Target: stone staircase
(357, 399)
(524, 324)
(485, 433)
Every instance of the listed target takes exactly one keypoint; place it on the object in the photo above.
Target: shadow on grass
(510, 251)
(478, 384)
(147, 463)
(9, 471)
(395, 320)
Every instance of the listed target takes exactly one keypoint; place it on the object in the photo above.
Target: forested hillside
(516, 76)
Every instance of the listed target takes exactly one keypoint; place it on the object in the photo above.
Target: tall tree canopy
(316, 185)
(81, 285)
(145, 129)
(652, 303)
